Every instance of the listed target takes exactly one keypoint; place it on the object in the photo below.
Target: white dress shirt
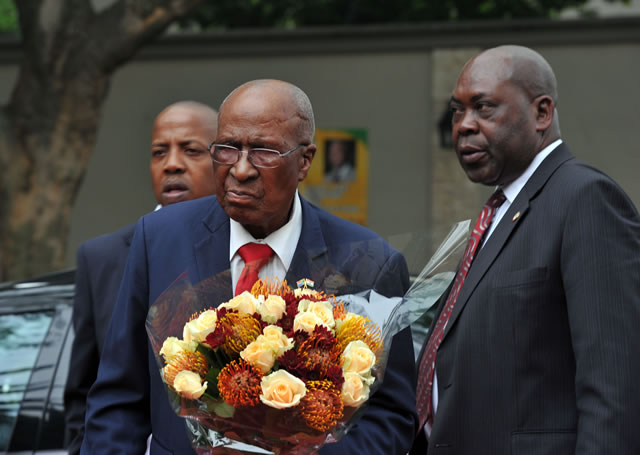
(283, 242)
(511, 191)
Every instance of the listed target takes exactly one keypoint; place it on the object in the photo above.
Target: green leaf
(222, 409)
(212, 382)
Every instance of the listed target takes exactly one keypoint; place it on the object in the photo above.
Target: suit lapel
(508, 224)
(211, 248)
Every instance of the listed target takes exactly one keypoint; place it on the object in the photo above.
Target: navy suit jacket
(99, 267)
(129, 399)
(541, 354)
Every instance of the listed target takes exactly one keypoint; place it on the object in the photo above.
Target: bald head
(294, 103)
(205, 114)
(522, 66)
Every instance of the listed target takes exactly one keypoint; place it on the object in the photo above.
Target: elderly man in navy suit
(263, 150)
(536, 346)
(181, 170)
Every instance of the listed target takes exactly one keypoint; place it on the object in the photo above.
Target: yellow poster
(339, 177)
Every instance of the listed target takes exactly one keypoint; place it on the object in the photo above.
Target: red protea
(321, 407)
(291, 362)
(286, 321)
(320, 351)
(239, 384)
(334, 374)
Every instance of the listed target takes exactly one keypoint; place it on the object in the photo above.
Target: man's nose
(467, 124)
(174, 163)
(243, 169)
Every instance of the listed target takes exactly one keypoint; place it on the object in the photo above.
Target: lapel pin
(515, 217)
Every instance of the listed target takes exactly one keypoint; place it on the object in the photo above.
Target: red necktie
(428, 360)
(255, 256)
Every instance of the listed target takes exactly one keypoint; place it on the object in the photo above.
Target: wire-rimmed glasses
(258, 156)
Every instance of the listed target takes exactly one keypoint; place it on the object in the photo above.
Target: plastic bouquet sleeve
(286, 367)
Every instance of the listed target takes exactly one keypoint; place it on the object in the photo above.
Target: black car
(35, 346)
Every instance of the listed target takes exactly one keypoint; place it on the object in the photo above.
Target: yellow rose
(323, 309)
(278, 340)
(173, 346)
(260, 354)
(306, 322)
(282, 390)
(272, 308)
(244, 302)
(355, 389)
(189, 385)
(358, 358)
(199, 328)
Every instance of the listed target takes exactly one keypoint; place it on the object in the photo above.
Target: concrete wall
(393, 81)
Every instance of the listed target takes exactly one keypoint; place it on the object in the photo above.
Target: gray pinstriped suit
(542, 352)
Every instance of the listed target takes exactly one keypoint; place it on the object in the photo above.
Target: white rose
(304, 291)
(199, 328)
(306, 322)
(278, 340)
(272, 309)
(244, 302)
(189, 385)
(355, 389)
(172, 347)
(322, 309)
(282, 390)
(260, 354)
(358, 358)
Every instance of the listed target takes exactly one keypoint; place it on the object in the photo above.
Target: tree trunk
(49, 127)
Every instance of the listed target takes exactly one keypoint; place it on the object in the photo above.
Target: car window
(21, 337)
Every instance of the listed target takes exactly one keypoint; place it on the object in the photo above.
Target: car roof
(37, 293)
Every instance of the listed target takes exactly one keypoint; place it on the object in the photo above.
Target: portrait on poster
(339, 165)
(338, 179)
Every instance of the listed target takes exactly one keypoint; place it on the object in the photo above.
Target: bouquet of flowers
(274, 348)
(284, 369)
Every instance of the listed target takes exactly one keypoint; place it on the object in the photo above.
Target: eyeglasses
(259, 157)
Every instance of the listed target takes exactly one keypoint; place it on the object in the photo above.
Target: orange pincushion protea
(267, 287)
(243, 329)
(339, 311)
(189, 361)
(360, 328)
(239, 384)
(321, 407)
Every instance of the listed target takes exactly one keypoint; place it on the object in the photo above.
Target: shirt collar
(513, 188)
(282, 241)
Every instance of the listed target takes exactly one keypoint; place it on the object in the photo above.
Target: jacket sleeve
(388, 425)
(83, 367)
(601, 278)
(118, 418)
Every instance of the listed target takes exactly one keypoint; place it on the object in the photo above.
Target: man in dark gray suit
(537, 347)
(181, 170)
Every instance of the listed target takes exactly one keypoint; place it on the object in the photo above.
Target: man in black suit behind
(540, 353)
(181, 170)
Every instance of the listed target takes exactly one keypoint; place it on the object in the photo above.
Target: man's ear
(306, 158)
(545, 110)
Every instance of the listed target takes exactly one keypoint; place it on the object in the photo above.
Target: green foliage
(292, 13)
(8, 17)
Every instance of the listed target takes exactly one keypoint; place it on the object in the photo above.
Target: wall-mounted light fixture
(444, 129)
